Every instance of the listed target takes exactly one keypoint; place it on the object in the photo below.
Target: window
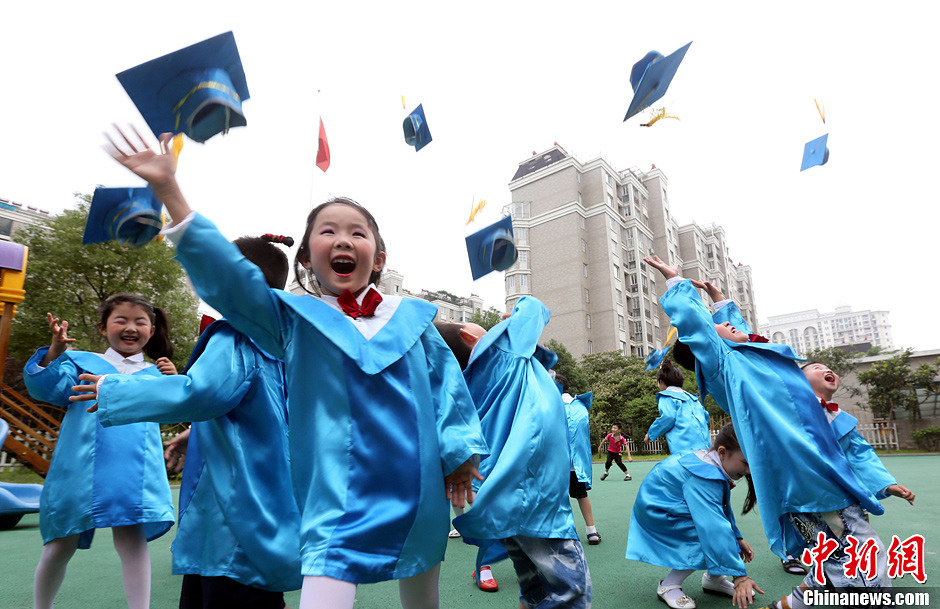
(581, 219)
(587, 320)
(623, 348)
(396, 288)
(524, 258)
(633, 283)
(587, 295)
(620, 322)
(619, 296)
(613, 224)
(580, 203)
(583, 246)
(6, 226)
(631, 259)
(590, 346)
(616, 271)
(522, 235)
(521, 209)
(510, 282)
(523, 280)
(584, 269)
(610, 200)
(578, 173)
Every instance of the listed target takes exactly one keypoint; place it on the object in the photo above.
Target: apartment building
(809, 330)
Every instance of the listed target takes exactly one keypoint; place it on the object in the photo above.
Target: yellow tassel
(657, 115)
(176, 148)
(476, 209)
(821, 108)
(403, 103)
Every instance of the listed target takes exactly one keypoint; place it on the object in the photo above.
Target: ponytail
(669, 375)
(159, 344)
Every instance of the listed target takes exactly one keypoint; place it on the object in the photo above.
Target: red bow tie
(756, 338)
(829, 405)
(352, 308)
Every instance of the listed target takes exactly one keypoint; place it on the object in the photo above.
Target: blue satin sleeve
(696, 328)
(866, 464)
(232, 285)
(525, 325)
(216, 383)
(53, 383)
(731, 313)
(666, 419)
(717, 534)
(458, 425)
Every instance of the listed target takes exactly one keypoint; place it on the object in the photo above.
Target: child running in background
(579, 441)
(616, 445)
(237, 540)
(382, 428)
(522, 502)
(804, 482)
(102, 478)
(682, 418)
(682, 519)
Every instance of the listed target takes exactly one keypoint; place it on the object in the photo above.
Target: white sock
(795, 600)
(319, 591)
(590, 529)
(720, 579)
(675, 578)
(50, 572)
(421, 591)
(131, 545)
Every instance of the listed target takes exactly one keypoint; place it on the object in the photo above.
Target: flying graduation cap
(130, 216)
(492, 248)
(650, 77)
(198, 90)
(416, 129)
(654, 359)
(815, 153)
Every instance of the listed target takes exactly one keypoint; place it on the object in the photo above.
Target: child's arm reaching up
(158, 169)
(60, 340)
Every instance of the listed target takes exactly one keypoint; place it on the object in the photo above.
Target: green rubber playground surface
(94, 581)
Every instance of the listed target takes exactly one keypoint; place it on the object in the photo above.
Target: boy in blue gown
(523, 499)
(237, 544)
(780, 424)
(582, 457)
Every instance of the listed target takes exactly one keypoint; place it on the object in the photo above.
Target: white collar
(711, 456)
(113, 356)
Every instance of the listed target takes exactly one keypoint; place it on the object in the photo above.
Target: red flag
(323, 151)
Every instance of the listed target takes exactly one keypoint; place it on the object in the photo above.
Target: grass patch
(21, 475)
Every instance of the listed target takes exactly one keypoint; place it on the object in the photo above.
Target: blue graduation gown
(682, 518)
(98, 477)
(238, 518)
(375, 425)
(525, 490)
(579, 436)
(862, 457)
(684, 421)
(795, 461)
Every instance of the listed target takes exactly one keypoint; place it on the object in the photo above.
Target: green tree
(892, 383)
(840, 361)
(69, 280)
(568, 367)
(623, 391)
(486, 319)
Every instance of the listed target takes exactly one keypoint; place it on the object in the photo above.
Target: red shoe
(486, 581)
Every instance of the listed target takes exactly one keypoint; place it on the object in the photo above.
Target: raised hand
(165, 366)
(713, 291)
(668, 271)
(60, 339)
(158, 169)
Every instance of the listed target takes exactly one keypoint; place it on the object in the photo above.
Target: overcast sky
(500, 80)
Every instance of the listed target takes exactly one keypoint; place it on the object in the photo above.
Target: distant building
(450, 307)
(809, 330)
(14, 216)
(582, 231)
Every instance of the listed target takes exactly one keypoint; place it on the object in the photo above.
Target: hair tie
(288, 241)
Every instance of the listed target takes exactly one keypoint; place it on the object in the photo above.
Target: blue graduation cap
(650, 77)
(198, 90)
(815, 153)
(654, 359)
(416, 129)
(130, 216)
(492, 248)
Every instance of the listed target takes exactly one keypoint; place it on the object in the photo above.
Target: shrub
(928, 439)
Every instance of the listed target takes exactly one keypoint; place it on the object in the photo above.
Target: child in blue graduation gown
(682, 519)
(801, 475)
(237, 543)
(582, 457)
(382, 428)
(682, 418)
(523, 499)
(102, 478)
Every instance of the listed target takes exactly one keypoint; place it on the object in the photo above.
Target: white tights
(131, 546)
(417, 592)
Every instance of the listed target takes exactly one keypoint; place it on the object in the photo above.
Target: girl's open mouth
(343, 265)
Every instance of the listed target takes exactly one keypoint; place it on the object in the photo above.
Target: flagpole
(316, 150)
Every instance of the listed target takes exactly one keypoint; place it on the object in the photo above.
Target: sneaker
(485, 582)
(594, 538)
(604, 476)
(627, 477)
